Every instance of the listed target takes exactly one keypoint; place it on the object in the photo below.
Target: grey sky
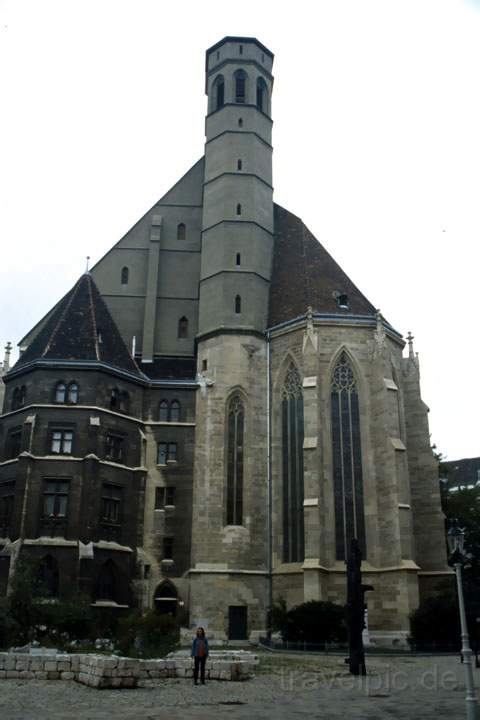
(377, 116)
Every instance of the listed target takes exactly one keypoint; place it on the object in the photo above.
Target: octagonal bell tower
(237, 202)
(229, 562)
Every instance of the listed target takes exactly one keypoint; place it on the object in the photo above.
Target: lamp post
(456, 539)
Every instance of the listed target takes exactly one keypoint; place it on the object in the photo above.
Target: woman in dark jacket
(199, 655)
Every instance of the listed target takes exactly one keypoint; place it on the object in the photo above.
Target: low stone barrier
(112, 671)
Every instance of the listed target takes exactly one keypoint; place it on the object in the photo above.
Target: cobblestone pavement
(285, 687)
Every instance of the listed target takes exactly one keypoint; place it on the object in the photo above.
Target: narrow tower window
(347, 459)
(240, 86)
(239, 209)
(240, 49)
(292, 466)
(218, 92)
(238, 259)
(240, 122)
(261, 95)
(181, 231)
(124, 278)
(239, 164)
(235, 443)
(238, 304)
(183, 327)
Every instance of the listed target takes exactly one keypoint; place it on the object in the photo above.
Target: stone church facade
(212, 412)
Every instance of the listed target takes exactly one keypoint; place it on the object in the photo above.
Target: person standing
(199, 655)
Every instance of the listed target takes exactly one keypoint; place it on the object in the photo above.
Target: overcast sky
(376, 133)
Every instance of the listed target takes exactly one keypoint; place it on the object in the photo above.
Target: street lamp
(456, 540)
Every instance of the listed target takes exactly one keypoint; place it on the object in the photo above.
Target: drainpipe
(269, 488)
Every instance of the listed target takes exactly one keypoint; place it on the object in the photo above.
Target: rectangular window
(167, 452)
(14, 444)
(168, 548)
(115, 447)
(172, 452)
(111, 503)
(7, 498)
(164, 496)
(61, 442)
(55, 498)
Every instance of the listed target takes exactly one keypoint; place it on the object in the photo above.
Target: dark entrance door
(237, 622)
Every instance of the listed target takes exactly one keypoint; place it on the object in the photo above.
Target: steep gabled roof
(80, 328)
(304, 274)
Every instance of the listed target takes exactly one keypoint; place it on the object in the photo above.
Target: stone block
(53, 675)
(51, 666)
(12, 674)
(26, 675)
(129, 682)
(41, 675)
(3, 674)
(22, 664)
(10, 663)
(67, 675)
(64, 665)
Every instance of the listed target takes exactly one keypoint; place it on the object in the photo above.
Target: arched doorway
(166, 599)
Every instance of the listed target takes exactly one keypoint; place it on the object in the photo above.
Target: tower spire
(410, 339)
(6, 359)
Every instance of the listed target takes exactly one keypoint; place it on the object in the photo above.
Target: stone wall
(111, 671)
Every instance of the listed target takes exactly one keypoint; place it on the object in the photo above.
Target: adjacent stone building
(212, 413)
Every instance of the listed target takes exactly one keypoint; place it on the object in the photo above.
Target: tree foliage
(313, 622)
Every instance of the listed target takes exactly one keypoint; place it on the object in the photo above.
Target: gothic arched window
(163, 411)
(347, 459)
(262, 95)
(16, 399)
(175, 411)
(181, 231)
(240, 86)
(47, 578)
(183, 327)
(235, 453)
(124, 276)
(107, 583)
(292, 464)
(218, 92)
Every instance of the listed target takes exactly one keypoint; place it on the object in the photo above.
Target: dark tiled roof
(305, 274)
(80, 328)
(462, 472)
(171, 368)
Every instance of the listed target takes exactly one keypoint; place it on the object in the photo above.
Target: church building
(210, 415)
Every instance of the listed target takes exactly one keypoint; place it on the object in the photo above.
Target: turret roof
(80, 328)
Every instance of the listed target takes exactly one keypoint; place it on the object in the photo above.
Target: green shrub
(313, 622)
(436, 622)
(147, 635)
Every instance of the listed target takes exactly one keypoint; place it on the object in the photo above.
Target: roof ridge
(94, 319)
(62, 315)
